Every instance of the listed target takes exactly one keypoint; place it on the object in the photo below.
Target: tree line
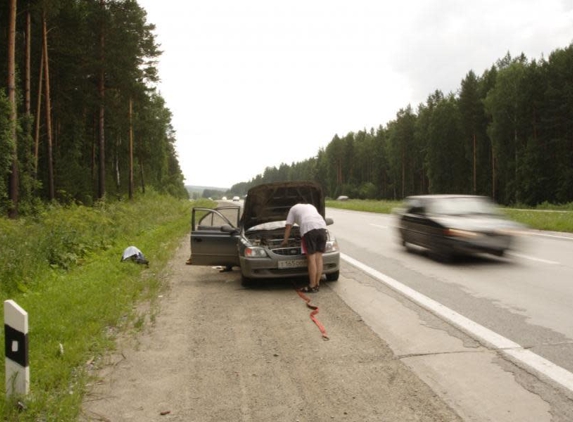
(507, 134)
(80, 116)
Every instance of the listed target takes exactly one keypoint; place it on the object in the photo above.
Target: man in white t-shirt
(313, 233)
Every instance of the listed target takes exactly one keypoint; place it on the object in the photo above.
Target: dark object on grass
(135, 255)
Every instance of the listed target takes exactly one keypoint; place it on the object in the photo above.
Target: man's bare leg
(319, 264)
(312, 269)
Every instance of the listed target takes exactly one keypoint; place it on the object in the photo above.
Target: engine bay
(272, 240)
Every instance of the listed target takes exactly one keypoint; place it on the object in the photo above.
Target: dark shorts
(314, 241)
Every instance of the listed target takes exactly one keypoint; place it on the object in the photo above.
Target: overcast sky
(257, 83)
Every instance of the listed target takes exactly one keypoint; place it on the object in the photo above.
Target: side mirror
(329, 221)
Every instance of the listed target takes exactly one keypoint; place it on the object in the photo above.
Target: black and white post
(16, 341)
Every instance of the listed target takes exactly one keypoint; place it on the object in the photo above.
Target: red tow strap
(313, 314)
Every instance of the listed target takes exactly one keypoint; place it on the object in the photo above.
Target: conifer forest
(80, 115)
(81, 119)
(506, 133)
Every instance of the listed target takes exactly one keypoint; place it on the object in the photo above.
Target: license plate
(293, 263)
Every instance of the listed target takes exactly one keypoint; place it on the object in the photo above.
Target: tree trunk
(51, 190)
(94, 177)
(38, 114)
(101, 173)
(14, 176)
(141, 175)
(117, 169)
(27, 96)
(101, 90)
(130, 149)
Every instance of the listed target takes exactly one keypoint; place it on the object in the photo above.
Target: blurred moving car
(253, 241)
(450, 225)
(342, 198)
(236, 198)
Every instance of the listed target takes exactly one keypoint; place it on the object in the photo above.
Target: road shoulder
(217, 351)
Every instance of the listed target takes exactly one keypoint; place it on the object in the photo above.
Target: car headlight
(331, 246)
(461, 233)
(254, 252)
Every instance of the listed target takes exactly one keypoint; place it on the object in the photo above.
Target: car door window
(212, 221)
(206, 219)
(417, 210)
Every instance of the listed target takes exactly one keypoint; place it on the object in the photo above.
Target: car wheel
(333, 276)
(442, 255)
(407, 246)
(403, 242)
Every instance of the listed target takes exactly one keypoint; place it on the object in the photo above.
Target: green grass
(64, 269)
(544, 217)
(368, 205)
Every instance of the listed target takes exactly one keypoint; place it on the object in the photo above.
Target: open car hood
(272, 201)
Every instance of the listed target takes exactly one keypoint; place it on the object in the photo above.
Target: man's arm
(287, 234)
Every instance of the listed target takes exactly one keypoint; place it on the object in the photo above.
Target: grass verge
(78, 294)
(367, 205)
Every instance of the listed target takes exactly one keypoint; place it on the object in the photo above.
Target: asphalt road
(479, 330)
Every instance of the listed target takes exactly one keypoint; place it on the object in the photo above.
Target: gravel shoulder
(215, 351)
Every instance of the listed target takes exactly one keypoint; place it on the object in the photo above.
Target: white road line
(506, 346)
(379, 226)
(545, 261)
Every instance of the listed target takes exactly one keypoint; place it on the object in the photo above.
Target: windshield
(462, 206)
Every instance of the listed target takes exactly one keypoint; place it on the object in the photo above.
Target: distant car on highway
(224, 198)
(253, 241)
(342, 198)
(236, 198)
(450, 225)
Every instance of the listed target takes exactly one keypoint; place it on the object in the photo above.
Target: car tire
(403, 242)
(333, 276)
(443, 256)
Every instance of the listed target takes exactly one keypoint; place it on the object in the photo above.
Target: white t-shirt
(307, 217)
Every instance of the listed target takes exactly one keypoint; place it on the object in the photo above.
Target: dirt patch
(218, 352)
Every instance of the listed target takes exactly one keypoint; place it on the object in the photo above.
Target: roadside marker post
(16, 348)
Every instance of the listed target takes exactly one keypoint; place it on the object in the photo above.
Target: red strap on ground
(313, 314)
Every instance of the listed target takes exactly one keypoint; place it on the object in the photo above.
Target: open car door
(214, 236)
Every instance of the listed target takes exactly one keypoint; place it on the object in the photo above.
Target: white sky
(256, 83)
